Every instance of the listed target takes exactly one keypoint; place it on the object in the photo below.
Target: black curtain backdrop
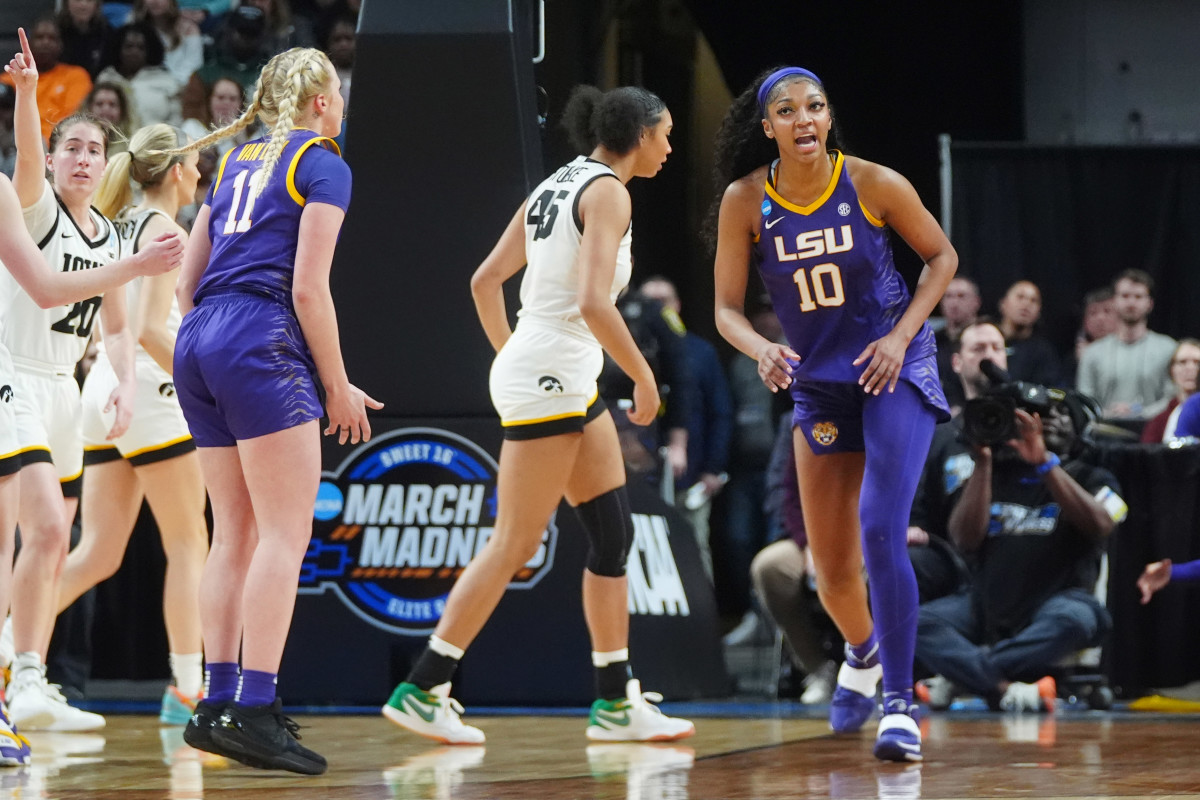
(1071, 218)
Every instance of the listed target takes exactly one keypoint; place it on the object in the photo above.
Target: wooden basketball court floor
(745, 751)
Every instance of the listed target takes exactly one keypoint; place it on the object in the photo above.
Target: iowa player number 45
(543, 212)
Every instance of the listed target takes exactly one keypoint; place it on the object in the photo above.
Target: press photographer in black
(1031, 518)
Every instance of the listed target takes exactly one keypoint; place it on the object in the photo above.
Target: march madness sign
(397, 522)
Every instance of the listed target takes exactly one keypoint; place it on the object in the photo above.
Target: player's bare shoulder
(879, 188)
(743, 197)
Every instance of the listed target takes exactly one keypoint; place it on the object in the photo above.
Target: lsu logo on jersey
(816, 243)
(397, 522)
(825, 433)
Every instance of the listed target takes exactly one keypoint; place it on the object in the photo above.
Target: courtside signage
(397, 522)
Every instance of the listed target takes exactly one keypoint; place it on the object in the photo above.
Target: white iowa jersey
(553, 231)
(130, 224)
(55, 337)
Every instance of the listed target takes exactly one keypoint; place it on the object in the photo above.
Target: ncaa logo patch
(550, 384)
(825, 433)
(397, 522)
(844, 209)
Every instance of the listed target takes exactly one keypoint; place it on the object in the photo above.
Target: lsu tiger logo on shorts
(825, 433)
(550, 384)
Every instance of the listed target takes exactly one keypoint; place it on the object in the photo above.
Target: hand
(1119, 411)
(886, 358)
(1154, 577)
(163, 254)
(22, 68)
(775, 364)
(121, 400)
(917, 536)
(1029, 444)
(645, 403)
(196, 15)
(713, 483)
(347, 410)
(677, 456)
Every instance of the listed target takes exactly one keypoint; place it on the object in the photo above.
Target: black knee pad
(608, 521)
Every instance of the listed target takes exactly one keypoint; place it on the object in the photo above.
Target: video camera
(991, 419)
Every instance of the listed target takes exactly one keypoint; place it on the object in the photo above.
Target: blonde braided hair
(287, 83)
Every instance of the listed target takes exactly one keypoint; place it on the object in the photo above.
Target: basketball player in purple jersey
(259, 327)
(860, 364)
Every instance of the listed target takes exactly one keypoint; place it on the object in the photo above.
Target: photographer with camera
(1031, 518)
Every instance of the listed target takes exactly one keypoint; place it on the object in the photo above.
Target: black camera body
(991, 420)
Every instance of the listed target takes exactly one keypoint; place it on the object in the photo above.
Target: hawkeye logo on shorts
(825, 433)
(397, 522)
(550, 384)
(6, 393)
(167, 389)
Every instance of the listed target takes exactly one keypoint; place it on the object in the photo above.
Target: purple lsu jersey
(829, 271)
(254, 239)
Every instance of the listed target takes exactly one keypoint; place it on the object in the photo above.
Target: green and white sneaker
(433, 714)
(634, 719)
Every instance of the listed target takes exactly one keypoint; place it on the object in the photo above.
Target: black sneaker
(261, 736)
(198, 733)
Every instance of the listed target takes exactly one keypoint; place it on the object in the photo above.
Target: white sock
(188, 671)
(31, 660)
(611, 657)
(444, 648)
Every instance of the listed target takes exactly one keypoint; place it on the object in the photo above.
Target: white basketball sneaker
(35, 705)
(634, 719)
(433, 714)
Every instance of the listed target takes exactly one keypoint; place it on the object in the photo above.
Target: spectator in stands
(223, 106)
(183, 47)
(960, 305)
(61, 87)
(338, 42)
(281, 33)
(709, 424)
(756, 410)
(659, 334)
(1031, 357)
(785, 580)
(85, 31)
(110, 102)
(135, 59)
(1184, 369)
(208, 14)
(1034, 518)
(938, 566)
(240, 53)
(1126, 370)
(1099, 320)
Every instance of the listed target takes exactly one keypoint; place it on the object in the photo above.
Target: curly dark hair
(741, 147)
(614, 118)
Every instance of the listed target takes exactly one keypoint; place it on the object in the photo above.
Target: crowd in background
(192, 63)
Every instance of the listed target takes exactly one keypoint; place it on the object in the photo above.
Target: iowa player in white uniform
(574, 234)
(45, 345)
(156, 457)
